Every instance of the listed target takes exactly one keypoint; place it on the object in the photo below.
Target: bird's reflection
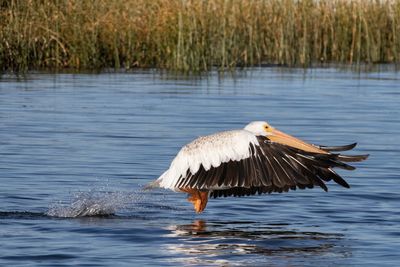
(230, 242)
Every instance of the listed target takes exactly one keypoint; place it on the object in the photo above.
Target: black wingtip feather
(353, 158)
(341, 181)
(338, 148)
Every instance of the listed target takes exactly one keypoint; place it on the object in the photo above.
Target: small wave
(21, 215)
(94, 203)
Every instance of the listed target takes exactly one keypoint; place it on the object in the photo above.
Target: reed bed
(195, 35)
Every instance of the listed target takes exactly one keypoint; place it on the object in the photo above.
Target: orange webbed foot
(198, 198)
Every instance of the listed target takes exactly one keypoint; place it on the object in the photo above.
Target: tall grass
(195, 35)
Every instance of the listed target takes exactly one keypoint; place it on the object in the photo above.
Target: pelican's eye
(266, 127)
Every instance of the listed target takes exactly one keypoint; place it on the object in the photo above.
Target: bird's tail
(156, 183)
(151, 185)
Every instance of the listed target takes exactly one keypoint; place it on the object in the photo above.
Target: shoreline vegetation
(195, 36)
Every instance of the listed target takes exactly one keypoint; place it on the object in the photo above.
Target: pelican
(254, 160)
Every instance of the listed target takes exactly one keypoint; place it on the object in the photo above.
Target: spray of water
(96, 202)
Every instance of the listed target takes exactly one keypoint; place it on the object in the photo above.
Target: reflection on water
(207, 241)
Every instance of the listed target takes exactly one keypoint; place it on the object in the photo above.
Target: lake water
(75, 145)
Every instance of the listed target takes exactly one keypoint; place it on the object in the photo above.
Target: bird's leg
(201, 202)
(198, 198)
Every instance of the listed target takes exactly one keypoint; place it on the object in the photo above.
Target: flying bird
(255, 160)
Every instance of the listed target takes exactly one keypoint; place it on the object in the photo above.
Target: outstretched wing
(279, 168)
(196, 159)
(258, 166)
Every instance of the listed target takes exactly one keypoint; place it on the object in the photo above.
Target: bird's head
(262, 128)
(259, 128)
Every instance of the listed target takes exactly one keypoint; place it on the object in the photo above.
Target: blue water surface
(77, 145)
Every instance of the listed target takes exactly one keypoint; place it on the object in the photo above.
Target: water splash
(95, 202)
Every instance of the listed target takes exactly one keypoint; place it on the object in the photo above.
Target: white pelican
(254, 160)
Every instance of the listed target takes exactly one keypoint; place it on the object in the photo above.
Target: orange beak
(280, 137)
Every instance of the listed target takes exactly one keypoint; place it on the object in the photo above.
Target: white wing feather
(209, 151)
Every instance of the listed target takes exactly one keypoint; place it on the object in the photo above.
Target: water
(76, 150)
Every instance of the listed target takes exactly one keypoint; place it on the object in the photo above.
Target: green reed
(196, 35)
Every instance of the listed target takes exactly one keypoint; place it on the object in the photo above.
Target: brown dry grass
(189, 35)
